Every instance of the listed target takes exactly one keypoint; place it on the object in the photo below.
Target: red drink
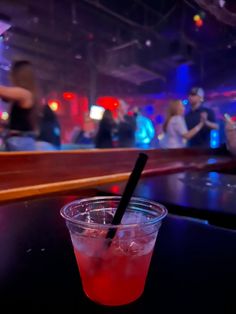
(113, 274)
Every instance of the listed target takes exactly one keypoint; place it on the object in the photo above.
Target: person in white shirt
(175, 130)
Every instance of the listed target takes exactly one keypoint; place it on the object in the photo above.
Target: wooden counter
(28, 174)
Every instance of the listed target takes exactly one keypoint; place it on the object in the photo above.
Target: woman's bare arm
(23, 96)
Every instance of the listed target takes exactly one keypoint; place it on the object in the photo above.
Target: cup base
(113, 304)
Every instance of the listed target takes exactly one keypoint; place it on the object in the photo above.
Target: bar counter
(193, 266)
(30, 174)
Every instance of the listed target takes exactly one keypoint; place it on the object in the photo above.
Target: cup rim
(92, 225)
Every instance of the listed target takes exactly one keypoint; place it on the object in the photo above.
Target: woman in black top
(104, 135)
(23, 113)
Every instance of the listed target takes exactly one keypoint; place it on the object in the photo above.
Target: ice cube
(138, 245)
(99, 216)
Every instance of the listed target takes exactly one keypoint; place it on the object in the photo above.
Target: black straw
(128, 192)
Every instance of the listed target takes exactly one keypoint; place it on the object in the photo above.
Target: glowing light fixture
(53, 104)
(68, 95)
(4, 115)
(196, 18)
(214, 139)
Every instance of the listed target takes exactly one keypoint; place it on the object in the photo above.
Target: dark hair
(22, 75)
(107, 115)
(18, 64)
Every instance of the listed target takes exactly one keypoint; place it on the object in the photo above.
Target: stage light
(53, 104)
(221, 3)
(182, 79)
(4, 115)
(199, 23)
(148, 43)
(68, 95)
(214, 138)
(108, 102)
(185, 102)
(196, 18)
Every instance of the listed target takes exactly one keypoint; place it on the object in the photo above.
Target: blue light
(215, 139)
(185, 102)
(183, 81)
(214, 175)
(149, 109)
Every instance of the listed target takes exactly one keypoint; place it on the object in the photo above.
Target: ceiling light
(221, 3)
(148, 43)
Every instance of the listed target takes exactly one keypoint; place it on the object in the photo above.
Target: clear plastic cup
(113, 272)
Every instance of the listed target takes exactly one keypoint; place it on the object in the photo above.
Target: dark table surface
(192, 270)
(204, 195)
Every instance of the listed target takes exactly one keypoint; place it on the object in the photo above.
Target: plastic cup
(113, 272)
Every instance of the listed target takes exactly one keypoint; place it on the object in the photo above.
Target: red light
(53, 104)
(199, 23)
(108, 102)
(68, 95)
(4, 115)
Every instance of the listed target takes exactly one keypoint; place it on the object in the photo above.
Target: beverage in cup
(113, 271)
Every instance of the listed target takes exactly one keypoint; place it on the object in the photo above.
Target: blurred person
(175, 130)
(198, 112)
(75, 134)
(79, 136)
(145, 130)
(23, 117)
(126, 126)
(230, 132)
(221, 126)
(84, 135)
(49, 130)
(103, 138)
